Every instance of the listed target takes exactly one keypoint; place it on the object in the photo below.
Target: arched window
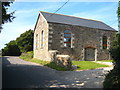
(105, 42)
(42, 39)
(67, 38)
(36, 41)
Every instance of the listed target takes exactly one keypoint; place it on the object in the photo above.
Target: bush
(28, 55)
(11, 49)
(55, 66)
(112, 79)
(115, 51)
(115, 54)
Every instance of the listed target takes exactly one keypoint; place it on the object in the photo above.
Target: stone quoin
(81, 39)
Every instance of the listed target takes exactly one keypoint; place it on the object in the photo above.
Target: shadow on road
(25, 76)
(5, 61)
(36, 76)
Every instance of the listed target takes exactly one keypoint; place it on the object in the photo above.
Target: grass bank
(29, 57)
(82, 65)
(105, 60)
(85, 65)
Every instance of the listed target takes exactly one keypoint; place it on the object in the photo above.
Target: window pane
(67, 31)
(42, 39)
(67, 44)
(67, 39)
(36, 41)
(67, 35)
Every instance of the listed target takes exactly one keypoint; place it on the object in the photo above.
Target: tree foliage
(118, 11)
(11, 49)
(25, 41)
(115, 51)
(112, 79)
(6, 17)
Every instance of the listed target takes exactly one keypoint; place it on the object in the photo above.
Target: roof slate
(64, 19)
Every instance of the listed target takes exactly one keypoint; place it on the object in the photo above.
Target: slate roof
(65, 19)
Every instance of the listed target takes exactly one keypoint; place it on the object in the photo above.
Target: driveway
(22, 74)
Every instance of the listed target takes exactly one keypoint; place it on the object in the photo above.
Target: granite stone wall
(41, 52)
(82, 37)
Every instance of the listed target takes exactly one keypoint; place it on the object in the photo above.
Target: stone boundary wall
(63, 61)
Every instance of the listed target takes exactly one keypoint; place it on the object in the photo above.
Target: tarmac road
(17, 73)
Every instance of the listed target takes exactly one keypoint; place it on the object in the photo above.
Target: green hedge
(112, 79)
(28, 55)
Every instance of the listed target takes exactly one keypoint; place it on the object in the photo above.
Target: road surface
(22, 74)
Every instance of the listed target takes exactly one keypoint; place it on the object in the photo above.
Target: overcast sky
(27, 13)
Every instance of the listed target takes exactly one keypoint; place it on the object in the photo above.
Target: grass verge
(82, 65)
(27, 57)
(85, 65)
(105, 60)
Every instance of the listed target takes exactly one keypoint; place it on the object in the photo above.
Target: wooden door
(89, 54)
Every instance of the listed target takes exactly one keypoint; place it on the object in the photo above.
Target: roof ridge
(70, 16)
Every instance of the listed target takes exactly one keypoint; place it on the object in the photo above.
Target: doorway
(90, 54)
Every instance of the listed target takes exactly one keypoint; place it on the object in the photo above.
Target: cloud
(106, 14)
(25, 20)
(96, 13)
(11, 31)
(53, 7)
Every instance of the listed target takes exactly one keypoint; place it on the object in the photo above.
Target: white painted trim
(50, 41)
(61, 45)
(72, 46)
(101, 42)
(50, 36)
(61, 41)
(50, 27)
(83, 54)
(50, 32)
(108, 42)
(72, 40)
(95, 54)
(49, 45)
(50, 24)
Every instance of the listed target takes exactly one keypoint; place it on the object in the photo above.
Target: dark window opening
(104, 42)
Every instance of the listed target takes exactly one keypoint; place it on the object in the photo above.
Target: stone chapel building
(81, 39)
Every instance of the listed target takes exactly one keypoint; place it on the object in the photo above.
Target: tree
(25, 41)
(11, 49)
(6, 17)
(112, 79)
